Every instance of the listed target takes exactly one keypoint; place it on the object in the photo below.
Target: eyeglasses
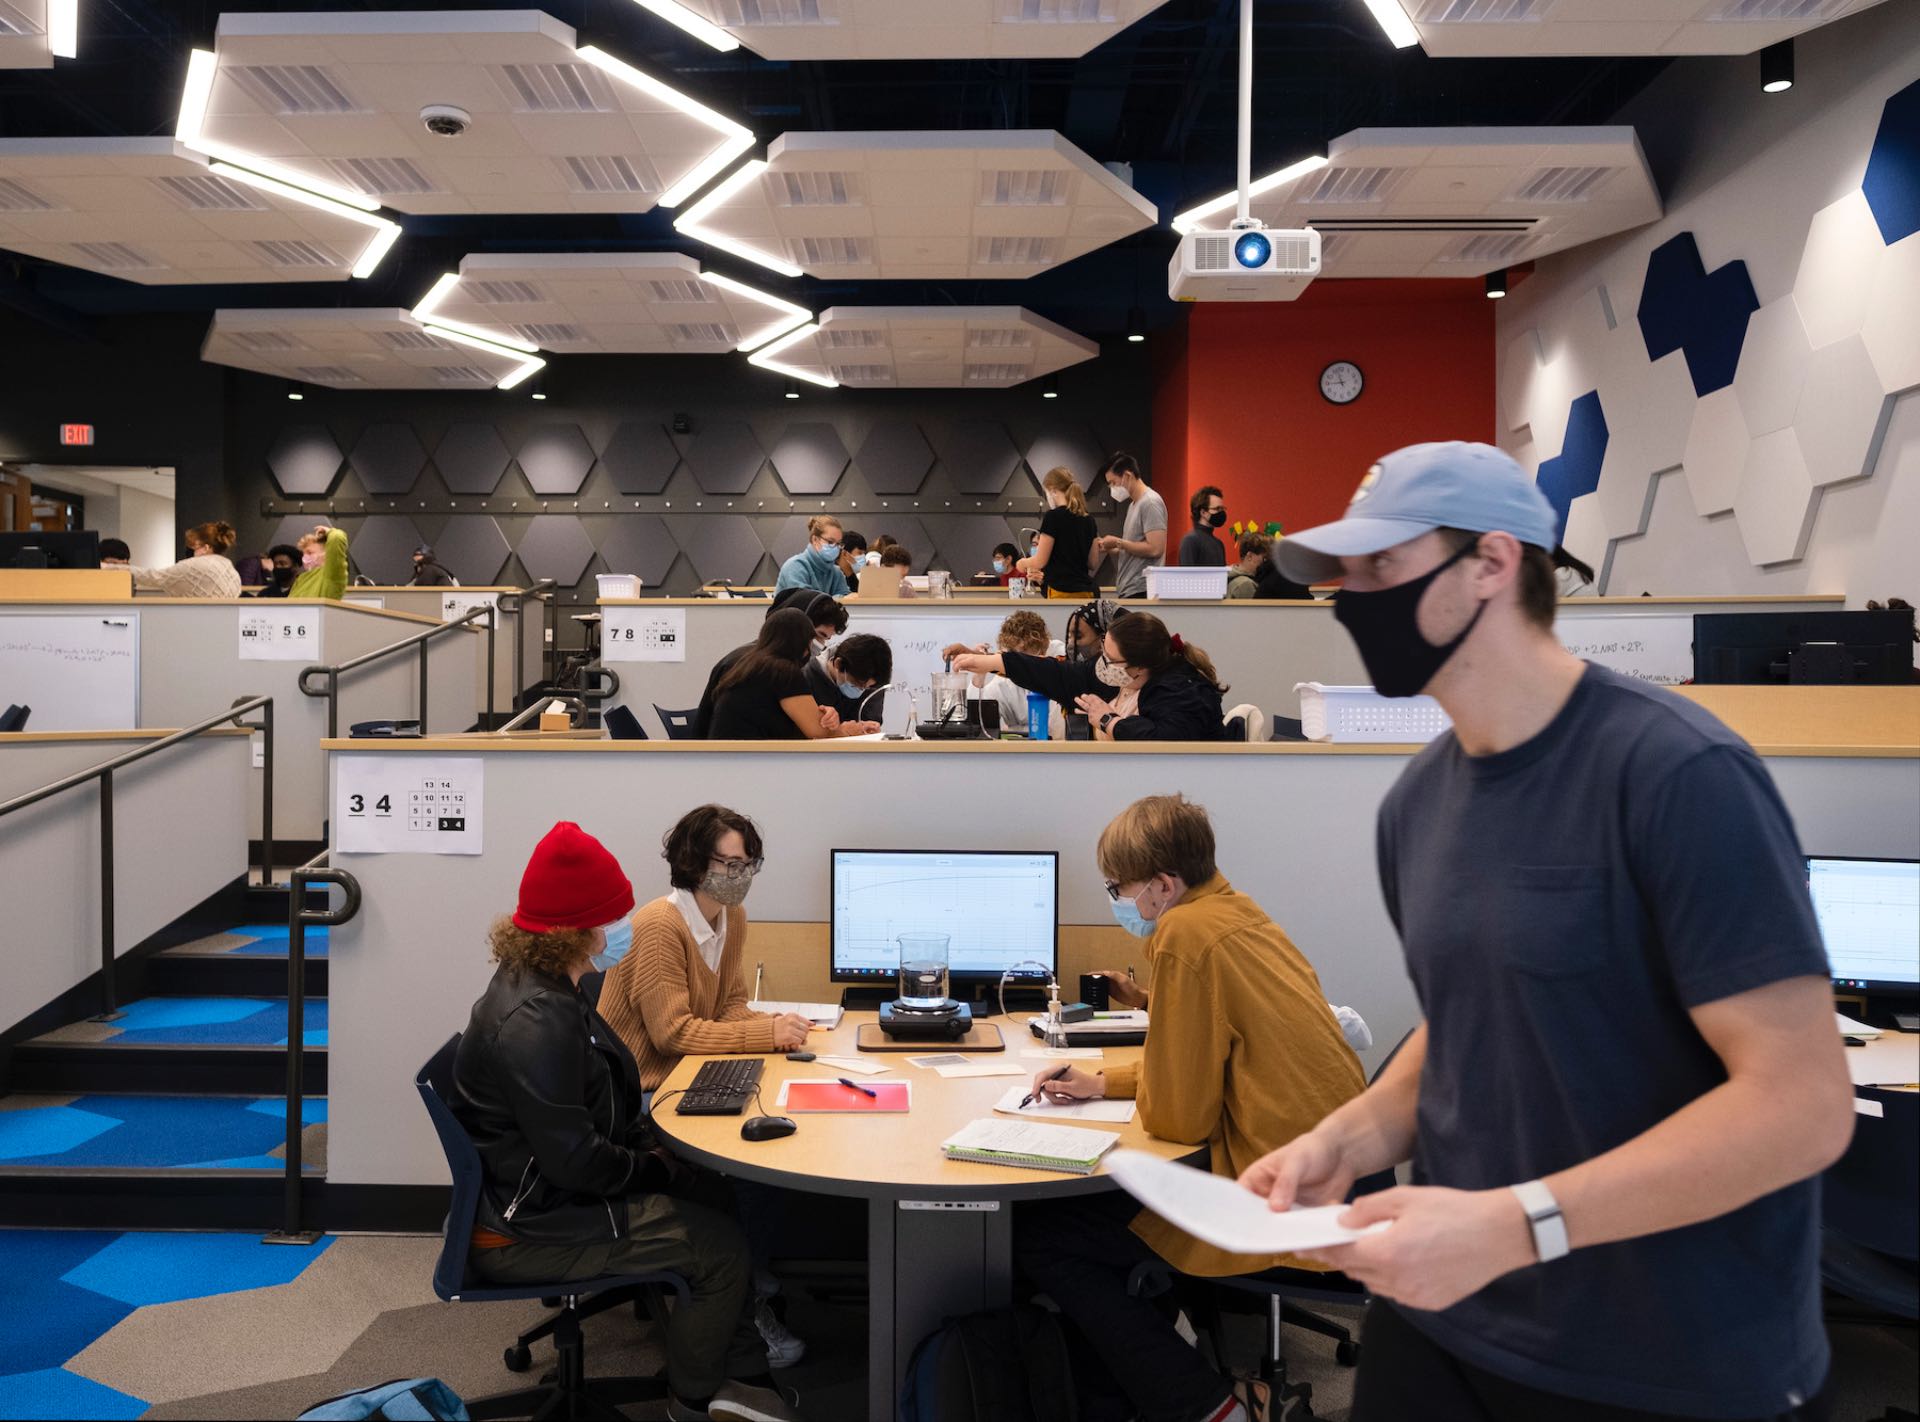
(738, 868)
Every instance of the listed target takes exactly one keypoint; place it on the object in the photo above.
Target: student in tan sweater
(1244, 1053)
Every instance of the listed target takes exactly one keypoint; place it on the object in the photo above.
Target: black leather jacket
(551, 1098)
(1176, 703)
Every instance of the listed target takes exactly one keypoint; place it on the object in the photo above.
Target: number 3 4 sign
(289, 634)
(407, 804)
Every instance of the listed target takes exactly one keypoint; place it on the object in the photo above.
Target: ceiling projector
(1248, 264)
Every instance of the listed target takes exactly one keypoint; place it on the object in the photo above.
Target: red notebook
(797, 1097)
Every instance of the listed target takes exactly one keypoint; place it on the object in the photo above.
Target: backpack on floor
(406, 1400)
(1003, 1365)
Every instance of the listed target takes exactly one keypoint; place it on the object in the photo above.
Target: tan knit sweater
(666, 1003)
(209, 576)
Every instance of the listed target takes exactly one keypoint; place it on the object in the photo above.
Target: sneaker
(783, 1348)
(678, 1411)
(737, 1402)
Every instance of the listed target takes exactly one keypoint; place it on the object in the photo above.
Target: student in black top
(764, 695)
(1172, 687)
(844, 677)
(1063, 550)
(1255, 576)
(853, 557)
(1200, 548)
(829, 620)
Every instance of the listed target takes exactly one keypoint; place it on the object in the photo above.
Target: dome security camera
(446, 120)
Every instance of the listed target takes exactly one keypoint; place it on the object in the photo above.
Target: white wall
(147, 525)
(1804, 476)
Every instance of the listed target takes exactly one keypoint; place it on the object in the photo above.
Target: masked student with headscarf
(817, 566)
(829, 620)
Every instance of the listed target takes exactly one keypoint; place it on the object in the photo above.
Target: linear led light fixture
(63, 28)
(385, 232)
(690, 221)
(737, 139)
(764, 357)
(439, 292)
(190, 129)
(1393, 19)
(789, 317)
(698, 26)
(528, 363)
(1191, 219)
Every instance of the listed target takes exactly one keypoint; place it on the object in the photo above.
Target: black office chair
(1285, 728)
(679, 724)
(14, 718)
(622, 724)
(566, 1392)
(1871, 1236)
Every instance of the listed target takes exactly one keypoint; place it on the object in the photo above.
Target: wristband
(1544, 1218)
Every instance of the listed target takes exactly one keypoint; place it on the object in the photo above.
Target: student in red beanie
(574, 1185)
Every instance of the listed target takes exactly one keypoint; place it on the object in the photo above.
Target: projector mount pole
(1244, 219)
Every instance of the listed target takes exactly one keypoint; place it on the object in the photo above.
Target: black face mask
(1217, 519)
(1385, 627)
(283, 575)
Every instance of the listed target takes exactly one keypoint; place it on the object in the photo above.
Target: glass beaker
(923, 970)
(950, 696)
(939, 583)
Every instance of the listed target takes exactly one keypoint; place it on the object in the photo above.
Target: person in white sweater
(206, 571)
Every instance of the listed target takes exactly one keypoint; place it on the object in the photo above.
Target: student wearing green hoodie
(323, 563)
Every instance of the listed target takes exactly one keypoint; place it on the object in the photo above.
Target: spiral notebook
(1030, 1145)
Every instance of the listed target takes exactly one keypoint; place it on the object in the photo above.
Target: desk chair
(1246, 722)
(679, 724)
(1286, 728)
(566, 1392)
(1871, 1235)
(622, 724)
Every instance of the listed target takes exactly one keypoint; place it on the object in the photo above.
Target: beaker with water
(950, 696)
(923, 971)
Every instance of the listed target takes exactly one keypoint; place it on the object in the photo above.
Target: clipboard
(826, 1095)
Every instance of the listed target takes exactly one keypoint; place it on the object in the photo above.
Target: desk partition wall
(508, 681)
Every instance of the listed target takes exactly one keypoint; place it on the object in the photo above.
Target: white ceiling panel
(909, 29)
(147, 210)
(33, 33)
(923, 347)
(985, 205)
(366, 348)
(335, 100)
(1505, 28)
(609, 303)
(1453, 202)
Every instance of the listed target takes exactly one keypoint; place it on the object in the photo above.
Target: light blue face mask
(860, 560)
(829, 552)
(999, 565)
(1127, 913)
(851, 691)
(619, 940)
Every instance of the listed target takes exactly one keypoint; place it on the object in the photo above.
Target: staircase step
(94, 1067)
(247, 961)
(171, 1021)
(159, 1135)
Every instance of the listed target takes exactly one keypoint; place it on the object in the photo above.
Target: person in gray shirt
(1628, 1078)
(1142, 540)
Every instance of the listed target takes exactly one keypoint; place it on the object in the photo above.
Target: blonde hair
(818, 525)
(218, 536)
(1062, 482)
(1162, 834)
(553, 953)
(1025, 631)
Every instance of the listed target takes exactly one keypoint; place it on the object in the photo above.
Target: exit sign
(76, 434)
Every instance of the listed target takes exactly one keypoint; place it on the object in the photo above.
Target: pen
(758, 970)
(1130, 977)
(1027, 1100)
(864, 1091)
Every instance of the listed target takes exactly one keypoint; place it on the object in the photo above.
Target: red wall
(1237, 398)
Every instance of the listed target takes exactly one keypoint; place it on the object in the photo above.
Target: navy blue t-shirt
(1563, 905)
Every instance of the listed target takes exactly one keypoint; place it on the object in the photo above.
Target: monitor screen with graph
(997, 908)
(1869, 912)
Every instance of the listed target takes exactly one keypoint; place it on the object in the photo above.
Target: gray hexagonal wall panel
(895, 457)
(383, 548)
(304, 459)
(1071, 446)
(809, 458)
(719, 546)
(964, 543)
(289, 529)
(639, 543)
(472, 547)
(556, 460)
(979, 455)
(471, 457)
(388, 458)
(556, 547)
(640, 458)
(725, 457)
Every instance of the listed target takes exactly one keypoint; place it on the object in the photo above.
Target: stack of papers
(1030, 1146)
(1116, 1112)
(1850, 1028)
(1133, 1020)
(1213, 1208)
(826, 1014)
(958, 1064)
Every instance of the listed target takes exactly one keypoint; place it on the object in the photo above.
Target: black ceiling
(1160, 96)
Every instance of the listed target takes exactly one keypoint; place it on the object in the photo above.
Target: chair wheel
(517, 1358)
(553, 1302)
(1347, 1355)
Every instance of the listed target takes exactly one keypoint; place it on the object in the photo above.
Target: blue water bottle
(1037, 708)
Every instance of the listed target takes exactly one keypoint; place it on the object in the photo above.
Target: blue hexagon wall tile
(1683, 307)
(1892, 181)
(556, 459)
(1575, 471)
(304, 460)
(471, 458)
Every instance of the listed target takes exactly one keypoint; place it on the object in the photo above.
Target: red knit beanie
(571, 882)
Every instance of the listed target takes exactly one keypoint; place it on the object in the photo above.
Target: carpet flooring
(197, 1022)
(155, 1132)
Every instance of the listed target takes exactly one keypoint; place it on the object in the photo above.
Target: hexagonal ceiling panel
(388, 457)
(472, 547)
(725, 457)
(556, 459)
(978, 455)
(1072, 446)
(720, 546)
(809, 457)
(555, 546)
(640, 457)
(304, 459)
(917, 29)
(639, 543)
(383, 548)
(358, 348)
(964, 543)
(926, 347)
(895, 457)
(471, 458)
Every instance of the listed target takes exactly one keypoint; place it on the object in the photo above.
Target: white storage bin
(1359, 713)
(1198, 584)
(618, 584)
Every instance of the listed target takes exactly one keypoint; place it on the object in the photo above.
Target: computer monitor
(1869, 913)
(996, 907)
(50, 550)
(1779, 647)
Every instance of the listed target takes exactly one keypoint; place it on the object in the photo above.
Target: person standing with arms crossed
(1628, 1076)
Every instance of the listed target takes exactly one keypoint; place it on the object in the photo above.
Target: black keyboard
(721, 1088)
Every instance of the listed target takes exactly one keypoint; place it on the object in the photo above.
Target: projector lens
(1252, 250)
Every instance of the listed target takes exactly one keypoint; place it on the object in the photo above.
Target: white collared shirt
(709, 938)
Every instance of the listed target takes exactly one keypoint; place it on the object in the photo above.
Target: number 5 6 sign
(288, 634)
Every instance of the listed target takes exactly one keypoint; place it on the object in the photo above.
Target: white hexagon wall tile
(1890, 330)
(1843, 413)
(1626, 474)
(1586, 537)
(1716, 452)
(1773, 367)
(1774, 507)
(1519, 364)
(1837, 267)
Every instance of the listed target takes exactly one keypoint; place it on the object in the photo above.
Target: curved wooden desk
(939, 1232)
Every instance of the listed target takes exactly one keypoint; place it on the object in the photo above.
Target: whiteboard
(1648, 646)
(918, 641)
(79, 671)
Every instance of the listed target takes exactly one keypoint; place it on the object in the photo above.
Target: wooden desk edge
(918, 747)
(10, 738)
(136, 603)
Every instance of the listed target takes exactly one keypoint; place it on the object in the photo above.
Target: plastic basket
(1359, 713)
(618, 584)
(1197, 584)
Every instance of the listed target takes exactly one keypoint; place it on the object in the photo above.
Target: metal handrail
(299, 918)
(600, 693)
(573, 704)
(420, 640)
(103, 772)
(542, 593)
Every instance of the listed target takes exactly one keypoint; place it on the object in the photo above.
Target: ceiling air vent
(1015, 251)
(1480, 12)
(552, 333)
(1814, 12)
(616, 174)
(114, 256)
(461, 375)
(292, 88)
(1334, 245)
(557, 88)
(680, 291)
(702, 333)
(851, 340)
(1039, 187)
(262, 340)
(377, 177)
(1000, 340)
(1488, 247)
(1058, 12)
(296, 254)
(831, 251)
(209, 194)
(1003, 373)
(329, 375)
(501, 293)
(1563, 184)
(409, 340)
(15, 197)
(773, 12)
(1356, 185)
(863, 374)
(817, 189)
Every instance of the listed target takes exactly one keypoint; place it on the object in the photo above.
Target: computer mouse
(767, 1128)
(799, 1056)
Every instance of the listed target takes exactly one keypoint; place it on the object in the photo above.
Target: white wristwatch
(1543, 1215)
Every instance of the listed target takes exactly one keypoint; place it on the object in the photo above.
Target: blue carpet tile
(215, 1021)
(270, 939)
(151, 1132)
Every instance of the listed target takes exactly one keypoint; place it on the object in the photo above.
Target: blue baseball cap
(1453, 484)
